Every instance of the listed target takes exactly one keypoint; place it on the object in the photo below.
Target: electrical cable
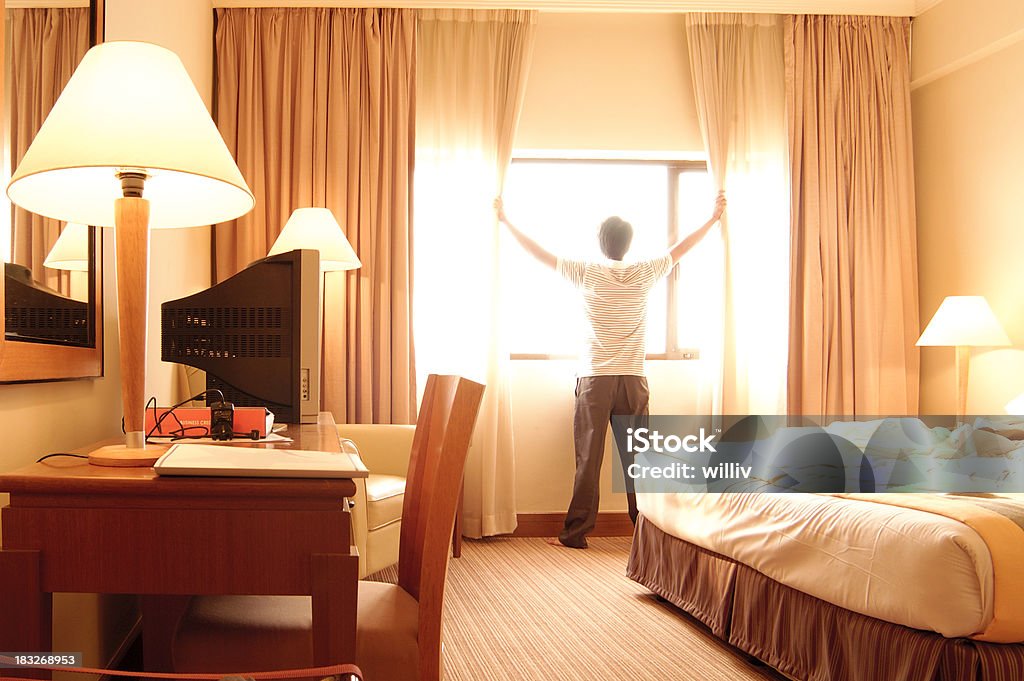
(50, 456)
(178, 433)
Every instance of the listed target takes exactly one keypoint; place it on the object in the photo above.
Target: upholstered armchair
(377, 510)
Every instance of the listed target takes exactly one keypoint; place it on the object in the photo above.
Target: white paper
(238, 461)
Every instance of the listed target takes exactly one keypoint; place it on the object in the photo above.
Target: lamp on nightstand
(1015, 407)
(963, 322)
(129, 122)
(316, 229)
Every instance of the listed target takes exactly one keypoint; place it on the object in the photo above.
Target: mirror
(50, 290)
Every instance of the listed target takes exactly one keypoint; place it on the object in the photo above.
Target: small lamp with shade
(963, 322)
(70, 253)
(317, 229)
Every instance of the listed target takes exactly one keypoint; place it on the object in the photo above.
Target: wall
(621, 82)
(968, 142)
(615, 82)
(610, 81)
(40, 418)
(179, 258)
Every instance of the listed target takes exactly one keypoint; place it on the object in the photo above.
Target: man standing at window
(610, 379)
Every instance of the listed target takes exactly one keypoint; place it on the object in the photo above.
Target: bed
(829, 587)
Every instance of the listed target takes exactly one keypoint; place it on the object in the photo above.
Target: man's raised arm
(680, 248)
(531, 246)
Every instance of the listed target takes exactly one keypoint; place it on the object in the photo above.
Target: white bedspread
(901, 565)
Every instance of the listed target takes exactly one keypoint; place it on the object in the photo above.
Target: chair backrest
(436, 465)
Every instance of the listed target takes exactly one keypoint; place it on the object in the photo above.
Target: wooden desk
(80, 528)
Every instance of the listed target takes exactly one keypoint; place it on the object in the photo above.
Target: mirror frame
(22, 361)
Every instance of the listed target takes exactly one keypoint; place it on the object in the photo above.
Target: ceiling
(875, 7)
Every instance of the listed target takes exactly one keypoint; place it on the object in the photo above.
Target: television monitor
(256, 335)
(35, 313)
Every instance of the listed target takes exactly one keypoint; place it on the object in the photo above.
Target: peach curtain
(45, 48)
(471, 81)
(738, 79)
(317, 105)
(853, 311)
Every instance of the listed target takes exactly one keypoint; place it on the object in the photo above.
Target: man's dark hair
(615, 236)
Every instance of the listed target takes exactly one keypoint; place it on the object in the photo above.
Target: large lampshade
(964, 321)
(71, 250)
(130, 105)
(316, 229)
(130, 144)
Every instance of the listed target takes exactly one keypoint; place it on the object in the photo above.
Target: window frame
(674, 168)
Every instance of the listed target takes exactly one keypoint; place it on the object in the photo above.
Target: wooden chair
(398, 634)
(340, 672)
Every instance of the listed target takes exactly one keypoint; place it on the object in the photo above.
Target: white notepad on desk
(257, 462)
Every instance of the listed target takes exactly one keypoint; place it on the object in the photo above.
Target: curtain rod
(43, 4)
(868, 7)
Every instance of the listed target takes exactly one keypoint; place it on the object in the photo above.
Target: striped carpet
(518, 608)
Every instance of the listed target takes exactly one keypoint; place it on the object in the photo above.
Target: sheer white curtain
(471, 71)
(739, 81)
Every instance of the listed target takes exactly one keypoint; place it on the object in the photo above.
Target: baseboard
(610, 524)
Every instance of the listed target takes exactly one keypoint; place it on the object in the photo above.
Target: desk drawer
(183, 551)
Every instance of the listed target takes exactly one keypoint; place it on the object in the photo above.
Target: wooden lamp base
(963, 368)
(123, 456)
(131, 241)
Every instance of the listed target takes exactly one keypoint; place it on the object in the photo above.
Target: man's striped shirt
(615, 308)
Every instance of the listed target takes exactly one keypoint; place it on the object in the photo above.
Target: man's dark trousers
(598, 398)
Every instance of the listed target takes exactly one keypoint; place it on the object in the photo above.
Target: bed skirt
(802, 636)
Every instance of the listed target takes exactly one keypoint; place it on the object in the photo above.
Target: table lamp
(963, 322)
(1015, 407)
(71, 250)
(316, 229)
(130, 144)
(70, 253)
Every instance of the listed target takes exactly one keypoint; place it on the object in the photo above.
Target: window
(562, 203)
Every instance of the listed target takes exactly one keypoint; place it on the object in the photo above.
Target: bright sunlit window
(562, 204)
